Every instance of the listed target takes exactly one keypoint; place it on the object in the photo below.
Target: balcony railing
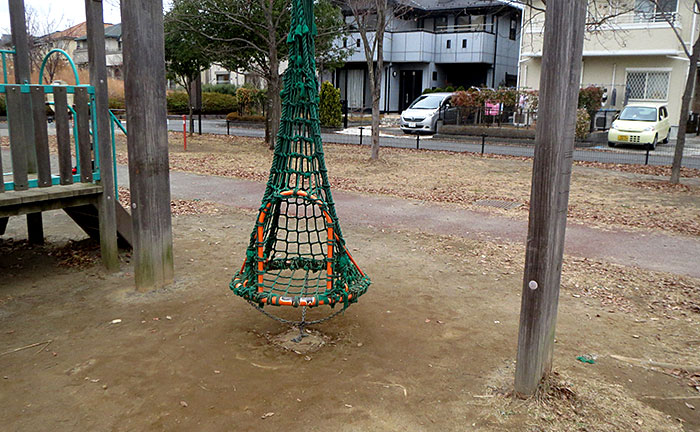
(463, 28)
(639, 17)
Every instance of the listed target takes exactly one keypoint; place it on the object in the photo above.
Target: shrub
(229, 89)
(177, 102)
(3, 106)
(116, 102)
(218, 103)
(330, 110)
(591, 99)
(248, 98)
(234, 116)
(449, 89)
(583, 123)
(212, 103)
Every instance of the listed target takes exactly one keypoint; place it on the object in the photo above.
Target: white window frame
(648, 70)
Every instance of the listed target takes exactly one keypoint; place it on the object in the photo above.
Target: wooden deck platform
(34, 200)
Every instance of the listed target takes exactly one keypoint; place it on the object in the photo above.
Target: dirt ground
(430, 347)
(603, 195)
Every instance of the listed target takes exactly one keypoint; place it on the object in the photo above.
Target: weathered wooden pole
(22, 66)
(549, 198)
(23, 72)
(98, 79)
(147, 141)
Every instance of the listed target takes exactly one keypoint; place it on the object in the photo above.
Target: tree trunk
(376, 93)
(274, 109)
(377, 73)
(685, 108)
(274, 86)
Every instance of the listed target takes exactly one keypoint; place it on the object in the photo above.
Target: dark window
(449, 44)
(464, 43)
(345, 42)
(462, 22)
(434, 75)
(513, 28)
(440, 23)
(358, 43)
(421, 23)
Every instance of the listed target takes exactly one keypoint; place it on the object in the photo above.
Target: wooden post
(554, 145)
(149, 176)
(65, 161)
(23, 75)
(98, 78)
(25, 123)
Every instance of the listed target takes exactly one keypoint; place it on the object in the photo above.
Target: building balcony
(453, 44)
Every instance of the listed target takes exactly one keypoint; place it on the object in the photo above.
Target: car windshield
(427, 102)
(637, 113)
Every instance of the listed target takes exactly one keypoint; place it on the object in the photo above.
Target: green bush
(3, 106)
(330, 110)
(449, 89)
(116, 103)
(212, 103)
(234, 116)
(218, 103)
(583, 123)
(229, 89)
(177, 102)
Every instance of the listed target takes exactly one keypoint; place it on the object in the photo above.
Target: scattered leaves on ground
(179, 207)
(607, 195)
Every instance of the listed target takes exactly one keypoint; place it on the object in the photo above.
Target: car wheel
(611, 144)
(652, 146)
(665, 141)
(437, 127)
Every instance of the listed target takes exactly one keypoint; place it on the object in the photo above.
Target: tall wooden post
(549, 198)
(22, 68)
(98, 79)
(147, 141)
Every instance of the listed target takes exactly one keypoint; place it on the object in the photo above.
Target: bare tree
(371, 19)
(693, 54)
(44, 35)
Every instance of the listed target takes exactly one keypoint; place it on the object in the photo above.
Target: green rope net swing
(297, 255)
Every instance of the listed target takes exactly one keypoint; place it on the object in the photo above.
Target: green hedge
(212, 103)
(116, 103)
(218, 103)
(3, 107)
(229, 89)
(234, 116)
(178, 103)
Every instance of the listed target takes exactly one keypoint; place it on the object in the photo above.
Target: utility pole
(551, 175)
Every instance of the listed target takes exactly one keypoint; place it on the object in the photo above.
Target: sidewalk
(648, 250)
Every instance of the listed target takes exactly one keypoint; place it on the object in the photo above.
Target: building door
(410, 87)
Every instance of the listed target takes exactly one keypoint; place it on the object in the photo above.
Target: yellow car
(641, 123)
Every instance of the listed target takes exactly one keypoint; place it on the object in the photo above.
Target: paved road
(663, 155)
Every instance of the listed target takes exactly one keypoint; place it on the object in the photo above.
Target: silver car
(428, 112)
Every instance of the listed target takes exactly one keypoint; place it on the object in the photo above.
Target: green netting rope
(297, 254)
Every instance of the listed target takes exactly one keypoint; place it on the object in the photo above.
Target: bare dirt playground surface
(429, 347)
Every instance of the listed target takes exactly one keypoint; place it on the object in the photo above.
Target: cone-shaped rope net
(297, 255)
